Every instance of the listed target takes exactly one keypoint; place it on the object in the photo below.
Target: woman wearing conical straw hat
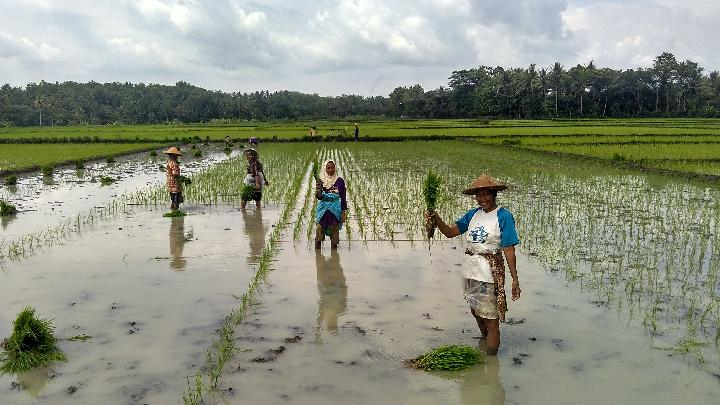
(489, 234)
(172, 171)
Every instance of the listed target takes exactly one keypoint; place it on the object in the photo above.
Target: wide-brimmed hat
(173, 151)
(250, 151)
(484, 182)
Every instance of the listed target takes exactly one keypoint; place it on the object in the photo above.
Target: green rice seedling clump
(11, 180)
(197, 153)
(32, 344)
(79, 164)
(174, 214)
(6, 208)
(153, 153)
(448, 357)
(105, 180)
(316, 170)
(247, 192)
(184, 180)
(47, 170)
(110, 159)
(431, 192)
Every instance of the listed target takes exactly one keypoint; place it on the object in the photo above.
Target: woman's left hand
(515, 290)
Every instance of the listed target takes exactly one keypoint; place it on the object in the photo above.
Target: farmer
(254, 141)
(331, 209)
(255, 176)
(172, 171)
(489, 230)
(357, 132)
(228, 142)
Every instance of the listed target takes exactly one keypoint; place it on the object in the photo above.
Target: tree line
(669, 88)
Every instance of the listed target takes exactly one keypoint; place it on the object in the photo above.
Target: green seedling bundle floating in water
(174, 214)
(449, 357)
(32, 344)
(431, 192)
(7, 209)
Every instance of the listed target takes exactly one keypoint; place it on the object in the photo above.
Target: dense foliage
(670, 88)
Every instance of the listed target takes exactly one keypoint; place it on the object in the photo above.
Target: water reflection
(255, 232)
(33, 381)
(5, 220)
(481, 384)
(332, 291)
(177, 243)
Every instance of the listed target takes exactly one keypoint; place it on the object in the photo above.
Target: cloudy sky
(365, 47)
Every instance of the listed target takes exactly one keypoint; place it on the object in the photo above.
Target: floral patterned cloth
(172, 171)
(497, 264)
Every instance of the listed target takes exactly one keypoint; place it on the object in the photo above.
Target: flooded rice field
(619, 273)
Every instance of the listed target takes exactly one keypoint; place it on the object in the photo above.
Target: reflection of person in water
(255, 232)
(332, 290)
(481, 384)
(177, 243)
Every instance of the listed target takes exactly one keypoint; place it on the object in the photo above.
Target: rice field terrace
(619, 271)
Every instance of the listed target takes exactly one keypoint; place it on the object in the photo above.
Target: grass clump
(110, 160)
(11, 180)
(174, 214)
(431, 193)
(32, 344)
(7, 209)
(79, 165)
(106, 180)
(448, 357)
(198, 153)
(316, 170)
(153, 153)
(47, 170)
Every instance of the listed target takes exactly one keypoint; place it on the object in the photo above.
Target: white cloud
(338, 46)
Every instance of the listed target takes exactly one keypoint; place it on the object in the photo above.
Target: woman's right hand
(431, 216)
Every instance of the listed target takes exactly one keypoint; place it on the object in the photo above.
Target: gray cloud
(333, 47)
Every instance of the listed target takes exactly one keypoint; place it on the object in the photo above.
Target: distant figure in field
(228, 142)
(313, 132)
(254, 142)
(255, 176)
(172, 171)
(331, 211)
(490, 233)
(357, 132)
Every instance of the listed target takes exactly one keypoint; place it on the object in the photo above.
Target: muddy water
(335, 328)
(149, 290)
(44, 202)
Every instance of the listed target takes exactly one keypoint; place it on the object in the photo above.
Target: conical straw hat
(484, 182)
(173, 151)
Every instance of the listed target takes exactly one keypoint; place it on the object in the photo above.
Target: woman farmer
(255, 177)
(490, 234)
(331, 210)
(172, 171)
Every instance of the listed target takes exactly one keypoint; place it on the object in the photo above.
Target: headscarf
(327, 180)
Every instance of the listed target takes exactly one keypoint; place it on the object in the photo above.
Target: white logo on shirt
(478, 235)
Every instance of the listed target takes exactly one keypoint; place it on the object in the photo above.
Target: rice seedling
(247, 192)
(11, 180)
(79, 165)
(47, 170)
(449, 357)
(7, 208)
(431, 191)
(106, 180)
(197, 153)
(32, 344)
(153, 153)
(110, 160)
(174, 214)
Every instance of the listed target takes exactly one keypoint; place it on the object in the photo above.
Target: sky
(363, 47)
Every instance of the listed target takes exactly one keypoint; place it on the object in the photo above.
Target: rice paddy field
(618, 267)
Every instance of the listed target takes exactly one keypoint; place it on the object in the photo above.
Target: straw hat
(173, 151)
(484, 182)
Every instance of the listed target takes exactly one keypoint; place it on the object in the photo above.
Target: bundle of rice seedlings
(11, 180)
(32, 344)
(316, 170)
(175, 213)
(47, 170)
(247, 192)
(7, 208)
(184, 180)
(449, 357)
(106, 180)
(431, 192)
